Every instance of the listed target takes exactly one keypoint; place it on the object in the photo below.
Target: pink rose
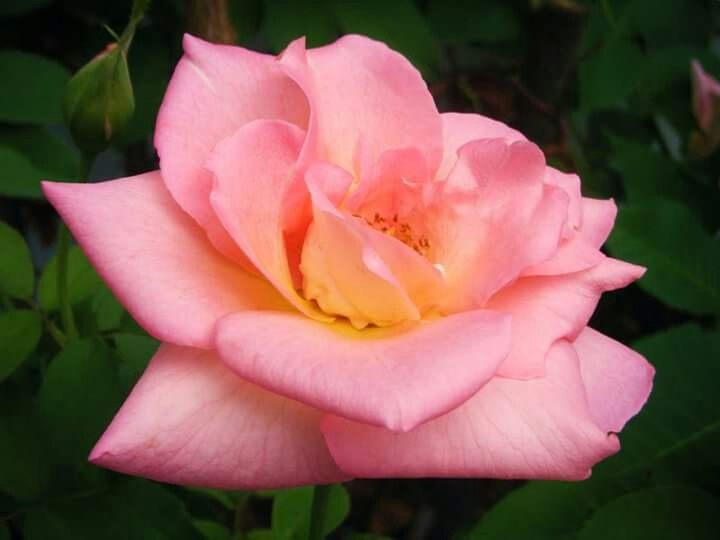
(705, 98)
(348, 283)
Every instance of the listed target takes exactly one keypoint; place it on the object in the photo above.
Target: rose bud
(99, 100)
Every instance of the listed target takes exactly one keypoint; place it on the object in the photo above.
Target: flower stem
(63, 291)
(321, 497)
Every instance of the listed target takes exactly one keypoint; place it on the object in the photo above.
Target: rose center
(400, 230)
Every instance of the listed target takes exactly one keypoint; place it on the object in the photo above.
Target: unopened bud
(706, 97)
(99, 100)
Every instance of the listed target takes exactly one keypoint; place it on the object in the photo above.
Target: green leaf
(682, 259)
(83, 281)
(401, 26)
(286, 20)
(108, 311)
(669, 22)
(469, 21)
(666, 513)
(674, 439)
(676, 434)
(30, 154)
(4, 533)
(648, 175)
(211, 530)
(260, 534)
(32, 88)
(78, 398)
(130, 509)
(134, 352)
(20, 332)
(17, 7)
(24, 467)
(610, 75)
(290, 513)
(16, 271)
(292, 507)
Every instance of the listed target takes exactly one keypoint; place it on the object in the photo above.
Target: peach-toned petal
(190, 420)
(359, 89)
(353, 270)
(540, 428)
(617, 379)
(253, 171)
(156, 259)
(461, 128)
(214, 91)
(397, 377)
(548, 308)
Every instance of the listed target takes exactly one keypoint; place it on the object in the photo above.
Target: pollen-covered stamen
(400, 230)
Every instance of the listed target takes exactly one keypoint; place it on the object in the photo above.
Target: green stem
(321, 497)
(63, 291)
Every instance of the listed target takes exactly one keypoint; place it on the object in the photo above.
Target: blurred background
(605, 88)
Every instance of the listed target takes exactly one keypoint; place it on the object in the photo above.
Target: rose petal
(545, 309)
(190, 420)
(156, 259)
(461, 128)
(355, 271)
(214, 91)
(397, 377)
(573, 255)
(598, 220)
(540, 429)
(253, 171)
(360, 89)
(570, 183)
(617, 379)
(495, 195)
(706, 91)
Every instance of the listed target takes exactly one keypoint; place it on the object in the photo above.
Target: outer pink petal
(461, 128)
(706, 91)
(253, 172)
(190, 420)
(510, 429)
(573, 255)
(215, 90)
(579, 248)
(545, 309)
(598, 220)
(156, 259)
(617, 379)
(570, 183)
(359, 89)
(397, 377)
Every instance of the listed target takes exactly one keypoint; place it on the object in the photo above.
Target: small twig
(210, 20)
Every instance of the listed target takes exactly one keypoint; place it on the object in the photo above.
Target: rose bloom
(705, 96)
(349, 284)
